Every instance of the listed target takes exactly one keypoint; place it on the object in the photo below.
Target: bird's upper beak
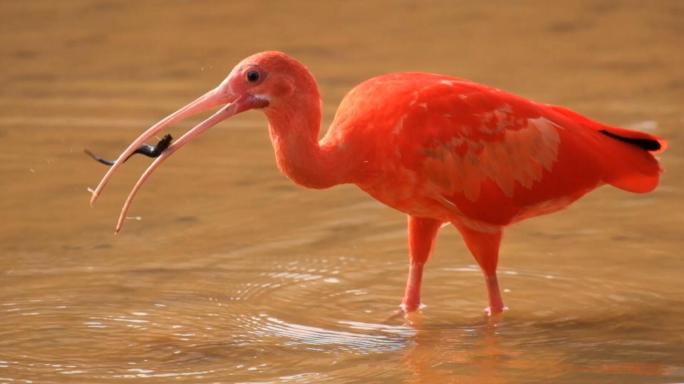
(221, 95)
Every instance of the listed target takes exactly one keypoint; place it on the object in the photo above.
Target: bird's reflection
(464, 354)
(483, 352)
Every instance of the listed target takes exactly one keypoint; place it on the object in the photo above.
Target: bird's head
(268, 81)
(264, 80)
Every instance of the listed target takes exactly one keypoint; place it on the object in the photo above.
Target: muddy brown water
(233, 274)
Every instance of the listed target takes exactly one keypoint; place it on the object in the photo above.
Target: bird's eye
(253, 76)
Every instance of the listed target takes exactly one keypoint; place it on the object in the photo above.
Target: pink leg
(421, 236)
(485, 248)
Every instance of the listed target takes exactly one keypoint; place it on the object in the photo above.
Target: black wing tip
(650, 145)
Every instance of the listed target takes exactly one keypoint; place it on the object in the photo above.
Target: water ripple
(285, 317)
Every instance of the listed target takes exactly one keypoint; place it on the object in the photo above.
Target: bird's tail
(629, 155)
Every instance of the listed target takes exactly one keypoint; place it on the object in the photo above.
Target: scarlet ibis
(441, 149)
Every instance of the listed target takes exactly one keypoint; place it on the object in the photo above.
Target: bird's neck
(294, 130)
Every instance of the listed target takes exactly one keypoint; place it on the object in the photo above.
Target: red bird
(441, 149)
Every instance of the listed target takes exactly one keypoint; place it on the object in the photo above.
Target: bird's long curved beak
(211, 99)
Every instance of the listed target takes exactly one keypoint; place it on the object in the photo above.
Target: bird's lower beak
(233, 105)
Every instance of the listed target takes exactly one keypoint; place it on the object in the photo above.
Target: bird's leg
(485, 248)
(421, 236)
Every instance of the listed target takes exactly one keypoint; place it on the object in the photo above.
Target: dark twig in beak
(145, 149)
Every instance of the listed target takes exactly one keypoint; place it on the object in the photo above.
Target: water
(233, 274)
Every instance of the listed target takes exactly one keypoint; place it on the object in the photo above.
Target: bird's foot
(493, 311)
(405, 312)
(409, 307)
(410, 318)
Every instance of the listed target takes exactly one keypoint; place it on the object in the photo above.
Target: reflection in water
(382, 338)
(232, 274)
(482, 353)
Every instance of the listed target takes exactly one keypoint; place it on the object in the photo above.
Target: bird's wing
(470, 135)
(482, 153)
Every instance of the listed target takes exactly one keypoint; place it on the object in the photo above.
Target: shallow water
(233, 274)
